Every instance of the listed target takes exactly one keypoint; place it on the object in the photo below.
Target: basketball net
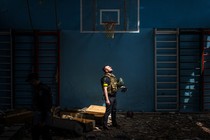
(109, 29)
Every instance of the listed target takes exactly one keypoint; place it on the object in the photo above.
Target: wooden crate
(96, 110)
(86, 120)
(19, 116)
(87, 123)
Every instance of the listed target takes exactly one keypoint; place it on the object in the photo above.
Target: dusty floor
(160, 127)
(149, 126)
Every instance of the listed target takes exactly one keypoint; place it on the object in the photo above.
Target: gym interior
(159, 47)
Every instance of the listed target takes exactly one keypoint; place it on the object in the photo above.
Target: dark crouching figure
(42, 103)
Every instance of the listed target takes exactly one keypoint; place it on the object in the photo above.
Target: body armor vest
(112, 87)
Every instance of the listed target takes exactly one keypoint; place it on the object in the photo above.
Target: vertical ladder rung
(165, 48)
(166, 75)
(6, 62)
(165, 65)
(165, 32)
(166, 55)
(169, 41)
(4, 33)
(167, 89)
(167, 62)
(167, 96)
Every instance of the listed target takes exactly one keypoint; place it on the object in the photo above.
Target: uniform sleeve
(105, 81)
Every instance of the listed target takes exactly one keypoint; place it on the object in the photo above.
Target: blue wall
(83, 55)
(83, 59)
(153, 13)
(175, 13)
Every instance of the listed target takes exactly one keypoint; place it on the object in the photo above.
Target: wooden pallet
(96, 110)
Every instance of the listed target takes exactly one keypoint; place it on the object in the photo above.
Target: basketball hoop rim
(109, 22)
(109, 28)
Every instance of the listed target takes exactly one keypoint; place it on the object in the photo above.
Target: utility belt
(112, 94)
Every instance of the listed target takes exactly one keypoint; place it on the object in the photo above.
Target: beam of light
(208, 42)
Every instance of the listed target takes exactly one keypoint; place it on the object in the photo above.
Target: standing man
(42, 104)
(109, 87)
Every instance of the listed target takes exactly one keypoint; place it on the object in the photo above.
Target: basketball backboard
(95, 13)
